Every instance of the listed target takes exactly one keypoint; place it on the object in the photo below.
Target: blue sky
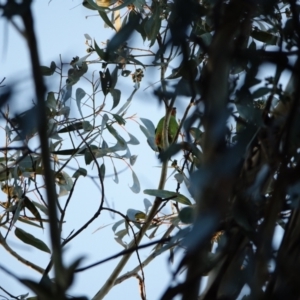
(60, 28)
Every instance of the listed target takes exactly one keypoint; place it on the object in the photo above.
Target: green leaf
(187, 215)
(99, 51)
(80, 93)
(104, 121)
(119, 119)
(29, 239)
(51, 101)
(102, 171)
(168, 194)
(80, 172)
(116, 179)
(136, 184)
(147, 204)
(114, 77)
(206, 38)
(41, 207)
(31, 207)
(197, 134)
(117, 224)
(69, 151)
(132, 159)
(71, 127)
(87, 36)
(264, 37)
(87, 126)
(46, 71)
(261, 92)
(88, 157)
(135, 61)
(116, 94)
(106, 20)
(133, 140)
(113, 132)
(52, 66)
(149, 125)
(105, 79)
(22, 219)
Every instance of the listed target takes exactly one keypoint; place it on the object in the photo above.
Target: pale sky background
(60, 28)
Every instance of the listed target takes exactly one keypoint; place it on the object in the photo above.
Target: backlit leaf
(29, 239)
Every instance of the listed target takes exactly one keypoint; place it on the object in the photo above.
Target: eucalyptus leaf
(116, 95)
(29, 239)
(116, 179)
(168, 194)
(136, 184)
(80, 172)
(80, 93)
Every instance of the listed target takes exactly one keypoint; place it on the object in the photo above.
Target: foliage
(236, 148)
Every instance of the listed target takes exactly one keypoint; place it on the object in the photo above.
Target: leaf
(117, 224)
(179, 177)
(153, 26)
(133, 140)
(29, 239)
(80, 172)
(135, 61)
(147, 204)
(102, 171)
(206, 38)
(168, 194)
(87, 37)
(261, 92)
(53, 66)
(31, 207)
(116, 94)
(51, 101)
(104, 121)
(69, 151)
(87, 126)
(123, 35)
(105, 80)
(132, 159)
(46, 71)
(134, 215)
(113, 132)
(99, 51)
(41, 207)
(187, 215)
(80, 93)
(149, 125)
(116, 179)
(119, 119)
(114, 77)
(136, 184)
(197, 134)
(264, 37)
(106, 20)
(126, 104)
(24, 220)
(88, 156)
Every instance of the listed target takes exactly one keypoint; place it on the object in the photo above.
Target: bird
(172, 130)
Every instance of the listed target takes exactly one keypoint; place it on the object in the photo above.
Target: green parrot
(172, 130)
